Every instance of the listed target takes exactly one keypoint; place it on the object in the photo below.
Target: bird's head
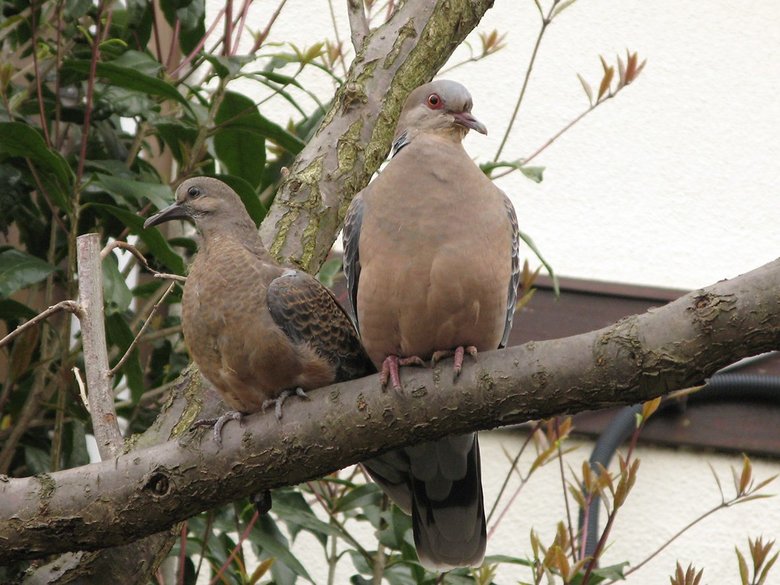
(208, 202)
(439, 106)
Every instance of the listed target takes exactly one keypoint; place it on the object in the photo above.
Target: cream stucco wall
(675, 183)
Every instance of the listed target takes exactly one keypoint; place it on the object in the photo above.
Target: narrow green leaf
(118, 333)
(75, 444)
(128, 78)
(536, 174)
(228, 66)
(116, 293)
(239, 111)
(19, 270)
(37, 460)
(136, 191)
(23, 140)
(10, 309)
(267, 535)
(251, 201)
(530, 243)
(238, 140)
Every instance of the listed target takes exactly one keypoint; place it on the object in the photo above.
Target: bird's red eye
(434, 101)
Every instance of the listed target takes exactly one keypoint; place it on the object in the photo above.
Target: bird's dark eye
(434, 101)
(193, 192)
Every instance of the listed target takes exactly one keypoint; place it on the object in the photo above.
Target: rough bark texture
(301, 225)
(355, 134)
(636, 359)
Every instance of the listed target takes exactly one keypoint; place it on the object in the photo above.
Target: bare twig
(188, 59)
(358, 23)
(236, 549)
(135, 252)
(545, 23)
(263, 35)
(93, 332)
(89, 97)
(69, 306)
(82, 387)
(112, 372)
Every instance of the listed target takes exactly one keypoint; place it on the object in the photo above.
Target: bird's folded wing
(308, 313)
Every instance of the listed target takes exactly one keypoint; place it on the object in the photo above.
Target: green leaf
(292, 509)
(115, 291)
(75, 444)
(10, 309)
(240, 112)
(75, 9)
(177, 135)
(228, 66)
(251, 201)
(267, 535)
(498, 559)
(129, 78)
(530, 243)
(119, 334)
(239, 149)
(189, 15)
(138, 27)
(330, 272)
(151, 237)
(19, 270)
(611, 573)
(139, 61)
(23, 140)
(536, 174)
(136, 191)
(37, 460)
(367, 494)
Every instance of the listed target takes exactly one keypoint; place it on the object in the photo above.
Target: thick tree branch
(395, 58)
(636, 359)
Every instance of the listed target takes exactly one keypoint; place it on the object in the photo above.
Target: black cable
(724, 385)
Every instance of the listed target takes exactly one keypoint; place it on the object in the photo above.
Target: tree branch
(93, 331)
(358, 23)
(69, 306)
(395, 58)
(634, 360)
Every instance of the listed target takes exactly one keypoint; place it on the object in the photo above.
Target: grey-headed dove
(431, 259)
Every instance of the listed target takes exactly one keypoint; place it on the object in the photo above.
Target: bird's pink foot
(218, 423)
(278, 402)
(459, 353)
(390, 369)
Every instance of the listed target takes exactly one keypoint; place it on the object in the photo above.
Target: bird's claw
(390, 369)
(278, 402)
(459, 354)
(218, 423)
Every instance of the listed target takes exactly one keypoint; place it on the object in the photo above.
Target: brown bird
(431, 259)
(258, 332)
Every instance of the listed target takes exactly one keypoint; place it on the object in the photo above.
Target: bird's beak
(466, 120)
(175, 211)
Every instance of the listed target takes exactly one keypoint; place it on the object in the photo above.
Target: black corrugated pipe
(724, 385)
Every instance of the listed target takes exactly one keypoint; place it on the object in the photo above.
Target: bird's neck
(241, 232)
(450, 134)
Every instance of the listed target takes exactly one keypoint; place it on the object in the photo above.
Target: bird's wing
(352, 224)
(308, 313)
(514, 281)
